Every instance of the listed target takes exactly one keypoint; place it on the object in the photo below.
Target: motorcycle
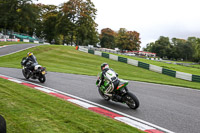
(39, 72)
(120, 91)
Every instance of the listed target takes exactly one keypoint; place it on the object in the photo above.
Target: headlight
(43, 72)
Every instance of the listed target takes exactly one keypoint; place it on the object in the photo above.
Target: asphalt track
(174, 108)
(13, 48)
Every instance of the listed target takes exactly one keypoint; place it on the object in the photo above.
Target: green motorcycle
(119, 90)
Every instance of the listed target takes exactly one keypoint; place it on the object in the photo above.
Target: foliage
(18, 15)
(79, 16)
(74, 20)
(178, 49)
(123, 39)
(107, 38)
(128, 40)
(49, 22)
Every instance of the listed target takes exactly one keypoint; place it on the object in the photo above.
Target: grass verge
(68, 60)
(29, 111)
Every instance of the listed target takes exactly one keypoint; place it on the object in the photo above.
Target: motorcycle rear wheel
(131, 100)
(105, 97)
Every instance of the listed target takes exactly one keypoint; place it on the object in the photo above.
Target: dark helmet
(29, 54)
(103, 66)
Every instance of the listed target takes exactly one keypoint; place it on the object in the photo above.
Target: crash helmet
(29, 54)
(103, 66)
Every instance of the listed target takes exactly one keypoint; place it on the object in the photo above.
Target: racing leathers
(111, 77)
(30, 62)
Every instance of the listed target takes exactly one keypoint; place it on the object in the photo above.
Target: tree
(133, 41)
(149, 47)
(128, 40)
(86, 31)
(65, 28)
(8, 13)
(107, 38)
(50, 27)
(18, 15)
(197, 51)
(81, 15)
(194, 48)
(183, 48)
(49, 21)
(121, 38)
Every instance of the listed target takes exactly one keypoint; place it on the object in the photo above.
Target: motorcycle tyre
(25, 74)
(135, 103)
(107, 98)
(42, 78)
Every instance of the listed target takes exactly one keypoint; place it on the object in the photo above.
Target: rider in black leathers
(30, 62)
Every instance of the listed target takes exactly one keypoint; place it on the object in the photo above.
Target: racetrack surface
(13, 48)
(174, 108)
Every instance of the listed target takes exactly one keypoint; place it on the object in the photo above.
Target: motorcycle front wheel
(25, 74)
(42, 78)
(131, 100)
(105, 97)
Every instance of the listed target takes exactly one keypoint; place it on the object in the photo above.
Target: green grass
(196, 66)
(12, 43)
(191, 70)
(68, 60)
(29, 111)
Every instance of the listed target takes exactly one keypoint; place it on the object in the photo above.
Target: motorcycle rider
(30, 62)
(110, 75)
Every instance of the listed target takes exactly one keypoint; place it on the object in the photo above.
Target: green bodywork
(122, 83)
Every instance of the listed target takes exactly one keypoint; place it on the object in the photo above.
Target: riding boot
(117, 97)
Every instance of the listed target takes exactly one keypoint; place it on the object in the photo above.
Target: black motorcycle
(38, 72)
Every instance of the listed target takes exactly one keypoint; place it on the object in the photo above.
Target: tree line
(122, 39)
(70, 22)
(176, 49)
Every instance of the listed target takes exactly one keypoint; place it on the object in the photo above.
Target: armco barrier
(169, 72)
(132, 62)
(176, 74)
(113, 57)
(105, 55)
(155, 68)
(143, 65)
(122, 59)
(185, 76)
(83, 49)
(91, 51)
(98, 53)
(196, 78)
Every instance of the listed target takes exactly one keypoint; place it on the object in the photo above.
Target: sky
(150, 18)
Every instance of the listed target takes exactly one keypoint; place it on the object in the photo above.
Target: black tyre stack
(2, 125)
